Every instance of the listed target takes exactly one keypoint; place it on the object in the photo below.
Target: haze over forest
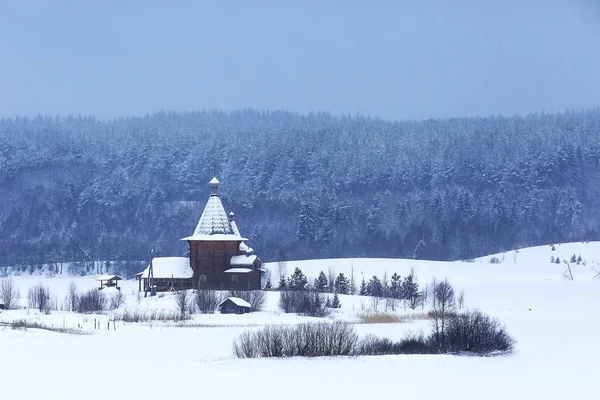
(389, 59)
(377, 136)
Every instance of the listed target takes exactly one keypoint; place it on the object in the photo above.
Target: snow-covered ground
(554, 321)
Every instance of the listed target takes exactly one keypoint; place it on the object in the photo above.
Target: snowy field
(554, 320)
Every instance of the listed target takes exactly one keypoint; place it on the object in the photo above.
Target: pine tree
(396, 286)
(298, 280)
(327, 303)
(363, 288)
(418, 250)
(410, 288)
(342, 284)
(282, 283)
(305, 228)
(322, 282)
(374, 287)
(336, 301)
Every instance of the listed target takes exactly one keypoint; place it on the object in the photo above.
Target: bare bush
(304, 340)
(207, 301)
(9, 293)
(372, 345)
(256, 298)
(72, 297)
(147, 316)
(303, 302)
(39, 298)
(183, 299)
(443, 309)
(475, 333)
(92, 301)
(117, 300)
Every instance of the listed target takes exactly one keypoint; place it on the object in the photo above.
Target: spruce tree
(322, 282)
(363, 288)
(374, 287)
(336, 301)
(342, 284)
(396, 286)
(298, 280)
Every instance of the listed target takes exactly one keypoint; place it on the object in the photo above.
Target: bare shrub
(147, 316)
(9, 293)
(303, 302)
(117, 300)
(72, 297)
(92, 301)
(475, 333)
(183, 299)
(461, 300)
(372, 345)
(304, 340)
(443, 309)
(207, 301)
(495, 260)
(256, 298)
(39, 298)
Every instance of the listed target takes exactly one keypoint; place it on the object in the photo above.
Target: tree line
(302, 186)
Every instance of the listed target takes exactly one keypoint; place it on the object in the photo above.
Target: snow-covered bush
(9, 294)
(207, 301)
(304, 340)
(303, 302)
(92, 301)
(473, 333)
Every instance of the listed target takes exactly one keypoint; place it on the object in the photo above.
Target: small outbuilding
(107, 281)
(234, 305)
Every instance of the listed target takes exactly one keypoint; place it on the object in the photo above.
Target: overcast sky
(391, 59)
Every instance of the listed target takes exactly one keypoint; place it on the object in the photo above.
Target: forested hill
(301, 186)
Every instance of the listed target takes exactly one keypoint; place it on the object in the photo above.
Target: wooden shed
(234, 305)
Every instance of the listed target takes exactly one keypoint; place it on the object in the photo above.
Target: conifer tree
(342, 284)
(322, 282)
(363, 288)
(374, 287)
(336, 302)
(396, 286)
(298, 280)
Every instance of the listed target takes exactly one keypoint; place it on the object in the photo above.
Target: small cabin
(109, 281)
(234, 305)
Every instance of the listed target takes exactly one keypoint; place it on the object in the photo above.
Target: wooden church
(219, 257)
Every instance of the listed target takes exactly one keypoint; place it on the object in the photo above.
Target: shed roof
(108, 278)
(169, 267)
(237, 301)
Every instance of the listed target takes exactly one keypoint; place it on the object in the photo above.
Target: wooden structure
(109, 281)
(234, 305)
(166, 273)
(219, 257)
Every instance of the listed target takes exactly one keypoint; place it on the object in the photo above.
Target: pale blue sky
(391, 59)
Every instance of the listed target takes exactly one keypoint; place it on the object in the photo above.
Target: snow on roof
(245, 248)
(214, 181)
(238, 270)
(234, 227)
(242, 260)
(169, 267)
(108, 278)
(217, 238)
(237, 301)
(214, 220)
